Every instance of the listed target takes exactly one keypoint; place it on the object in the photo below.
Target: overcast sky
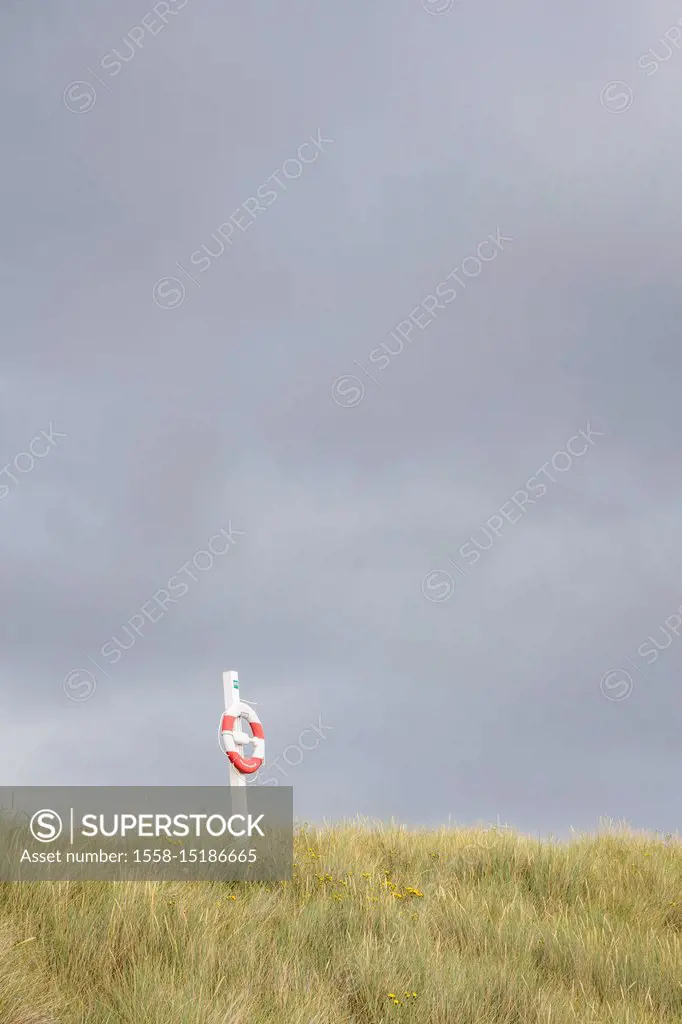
(250, 394)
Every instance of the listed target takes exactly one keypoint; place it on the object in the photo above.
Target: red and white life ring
(245, 765)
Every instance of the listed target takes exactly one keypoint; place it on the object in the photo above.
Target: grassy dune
(486, 927)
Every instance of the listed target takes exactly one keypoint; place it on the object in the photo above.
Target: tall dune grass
(376, 925)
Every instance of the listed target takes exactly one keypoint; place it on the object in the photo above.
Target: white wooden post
(237, 780)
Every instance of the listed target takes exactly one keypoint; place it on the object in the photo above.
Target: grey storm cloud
(322, 354)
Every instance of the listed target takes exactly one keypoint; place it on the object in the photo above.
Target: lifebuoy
(245, 765)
